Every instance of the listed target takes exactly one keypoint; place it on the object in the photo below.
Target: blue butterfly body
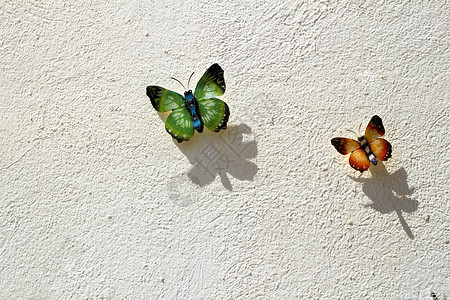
(192, 106)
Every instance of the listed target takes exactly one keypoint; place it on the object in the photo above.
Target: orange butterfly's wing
(344, 146)
(359, 161)
(374, 129)
(381, 148)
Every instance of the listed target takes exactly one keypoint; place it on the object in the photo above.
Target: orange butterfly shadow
(389, 192)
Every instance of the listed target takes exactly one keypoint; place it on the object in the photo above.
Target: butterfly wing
(381, 148)
(211, 84)
(214, 113)
(164, 100)
(358, 160)
(344, 146)
(374, 129)
(179, 124)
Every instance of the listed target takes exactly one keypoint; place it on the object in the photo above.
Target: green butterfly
(194, 109)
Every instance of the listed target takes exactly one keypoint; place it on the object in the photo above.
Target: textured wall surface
(98, 202)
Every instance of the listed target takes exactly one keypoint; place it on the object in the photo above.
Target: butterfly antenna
(359, 129)
(179, 83)
(356, 135)
(190, 79)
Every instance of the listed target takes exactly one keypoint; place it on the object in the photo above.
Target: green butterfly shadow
(228, 152)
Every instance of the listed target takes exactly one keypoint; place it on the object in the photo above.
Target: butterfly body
(368, 148)
(364, 144)
(194, 110)
(192, 106)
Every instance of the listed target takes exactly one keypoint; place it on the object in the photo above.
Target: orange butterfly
(368, 148)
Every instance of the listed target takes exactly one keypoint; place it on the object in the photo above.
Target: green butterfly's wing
(164, 100)
(214, 113)
(179, 124)
(211, 84)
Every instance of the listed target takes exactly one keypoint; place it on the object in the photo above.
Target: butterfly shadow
(223, 153)
(389, 192)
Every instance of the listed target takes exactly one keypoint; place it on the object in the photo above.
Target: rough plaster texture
(98, 202)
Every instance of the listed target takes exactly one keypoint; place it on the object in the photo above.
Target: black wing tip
(216, 66)
(153, 91)
(377, 123)
(216, 72)
(336, 142)
(376, 119)
(215, 69)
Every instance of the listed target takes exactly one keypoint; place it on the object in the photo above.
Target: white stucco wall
(98, 202)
